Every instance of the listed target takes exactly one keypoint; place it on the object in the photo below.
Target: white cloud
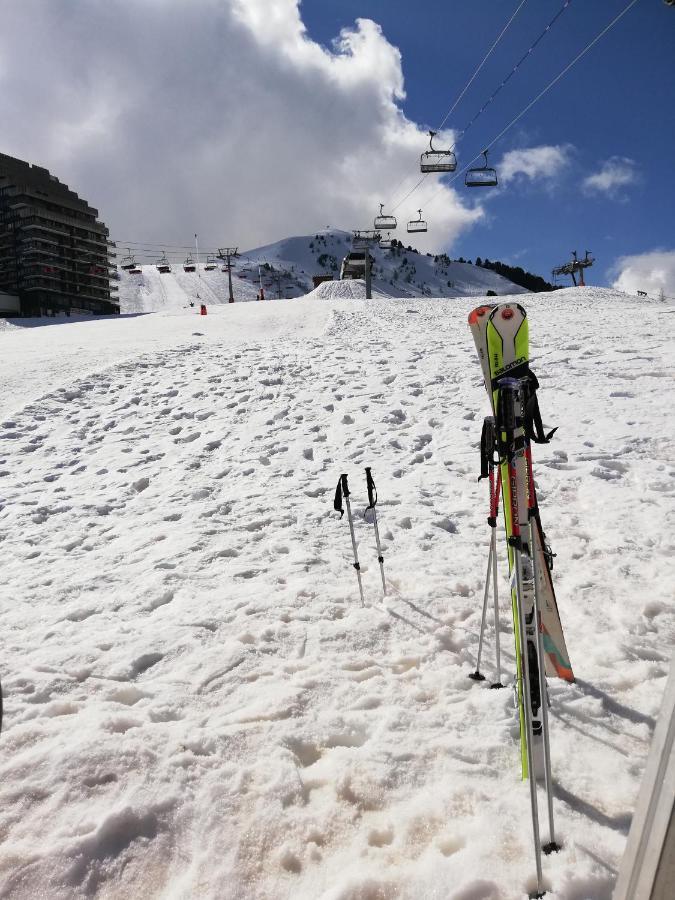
(217, 116)
(535, 163)
(651, 272)
(614, 174)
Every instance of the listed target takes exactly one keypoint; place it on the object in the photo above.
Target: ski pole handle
(372, 492)
(345, 486)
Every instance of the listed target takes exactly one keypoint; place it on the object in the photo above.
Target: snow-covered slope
(196, 703)
(286, 267)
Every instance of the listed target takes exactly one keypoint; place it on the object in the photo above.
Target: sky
(252, 120)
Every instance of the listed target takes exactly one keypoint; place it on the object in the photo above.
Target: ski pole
(372, 502)
(343, 489)
(510, 404)
(478, 675)
(488, 442)
(548, 780)
(494, 494)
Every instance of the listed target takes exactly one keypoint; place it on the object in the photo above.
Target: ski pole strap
(534, 427)
(372, 490)
(342, 488)
(488, 440)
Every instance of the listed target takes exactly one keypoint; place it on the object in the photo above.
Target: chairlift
(189, 264)
(437, 160)
(417, 226)
(481, 176)
(384, 223)
(211, 264)
(128, 261)
(385, 243)
(136, 271)
(163, 266)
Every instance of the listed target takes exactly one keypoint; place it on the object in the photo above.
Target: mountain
(286, 268)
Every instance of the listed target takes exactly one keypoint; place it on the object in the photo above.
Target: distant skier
(202, 309)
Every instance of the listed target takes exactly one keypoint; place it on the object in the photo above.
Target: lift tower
(226, 254)
(575, 266)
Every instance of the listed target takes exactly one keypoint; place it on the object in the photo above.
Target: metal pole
(229, 279)
(494, 493)
(372, 502)
(548, 781)
(525, 681)
(477, 676)
(513, 395)
(380, 558)
(198, 272)
(368, 291)
(357, 565)
(498, 682)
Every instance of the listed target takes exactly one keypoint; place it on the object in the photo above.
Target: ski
(500, 334)
(555, 649)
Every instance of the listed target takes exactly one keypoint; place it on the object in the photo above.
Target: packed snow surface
(197, 705)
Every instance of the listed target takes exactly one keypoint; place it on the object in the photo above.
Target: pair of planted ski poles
(342, 491)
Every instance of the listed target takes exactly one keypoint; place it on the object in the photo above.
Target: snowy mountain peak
(286, 269)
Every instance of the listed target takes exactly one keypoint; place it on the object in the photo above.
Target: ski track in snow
(196, 703)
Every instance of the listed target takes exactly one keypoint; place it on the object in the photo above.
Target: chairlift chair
(211, 264)
(136, 270)
(385, 243)
(128, 261)
(384, 223)
(481, 176)
(163, 266)
(417, 226)
(437, 160)
(189, 264)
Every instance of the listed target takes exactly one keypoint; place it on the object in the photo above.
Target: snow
(196, 704)
(286, 268)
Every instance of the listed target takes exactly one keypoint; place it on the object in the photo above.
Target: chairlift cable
(513, 71)
(485, 59)
(490, 99)
(536, 99)
(462, 92)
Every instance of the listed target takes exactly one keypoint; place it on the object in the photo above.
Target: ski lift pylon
(417, 226)
(481, 176)
(384, 223)
(437, 160)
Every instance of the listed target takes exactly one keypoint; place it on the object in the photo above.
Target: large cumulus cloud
(217, 116)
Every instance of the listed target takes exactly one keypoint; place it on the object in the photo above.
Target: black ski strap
(342, 488)
(534, 427)
(372, 490)
(532, 423)
(488, 442)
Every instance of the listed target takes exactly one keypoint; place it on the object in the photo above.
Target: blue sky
(618, 101)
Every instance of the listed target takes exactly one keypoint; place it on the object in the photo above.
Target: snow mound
(352, 289)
